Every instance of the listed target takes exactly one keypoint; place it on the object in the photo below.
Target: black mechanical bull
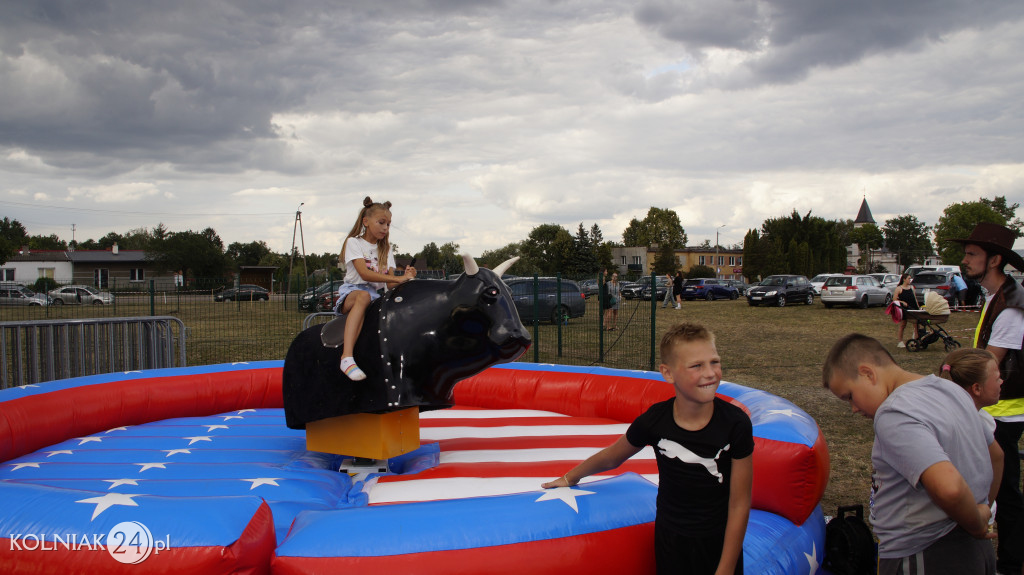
(417, 342)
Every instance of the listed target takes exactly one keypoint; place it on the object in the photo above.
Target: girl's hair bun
(387, 205)
(367, 202)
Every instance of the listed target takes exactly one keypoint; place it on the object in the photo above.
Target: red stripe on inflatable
(612, 552)
(505, 421)
(36, 421)
(555, 441)
(250, 554)
(539, 469)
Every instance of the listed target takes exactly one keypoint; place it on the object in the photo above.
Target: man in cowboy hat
(1001, 331)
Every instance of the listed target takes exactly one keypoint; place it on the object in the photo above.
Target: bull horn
(470, 264)
(501, 269)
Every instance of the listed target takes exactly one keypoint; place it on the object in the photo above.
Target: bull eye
(490, 295)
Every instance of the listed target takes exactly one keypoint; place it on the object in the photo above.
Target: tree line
(805, 245)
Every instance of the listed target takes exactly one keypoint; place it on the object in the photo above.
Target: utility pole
(297, 227)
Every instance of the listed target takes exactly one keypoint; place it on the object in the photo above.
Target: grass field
(779, 350)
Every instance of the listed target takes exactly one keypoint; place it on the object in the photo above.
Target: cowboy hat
(995, 239)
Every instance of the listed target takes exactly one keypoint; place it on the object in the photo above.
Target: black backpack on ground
(850, 547)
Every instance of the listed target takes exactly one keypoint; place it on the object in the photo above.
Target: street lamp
(717, 268)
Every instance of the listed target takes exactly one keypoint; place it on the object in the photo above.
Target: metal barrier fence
(239, 331)
(48, 349)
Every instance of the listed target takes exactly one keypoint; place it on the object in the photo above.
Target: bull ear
(470, 264)
(501, 269)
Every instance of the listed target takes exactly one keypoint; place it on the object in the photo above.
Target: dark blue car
(709, 289)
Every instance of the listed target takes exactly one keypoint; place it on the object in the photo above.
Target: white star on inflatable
(240, 363)
(197, 438)
(122, 428)
(104, 502)
(566, 495)
(133, 371)
(241, 411)
(58, 452)
(17, 466)
(27, 385)
(786, 412)
(145, 466)
(210, 428)
(227, 417)
(263, 481)
(119, 482)
(82, 440)
(812, 559)
(171, 452)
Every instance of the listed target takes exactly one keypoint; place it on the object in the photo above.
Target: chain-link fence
(564, 317)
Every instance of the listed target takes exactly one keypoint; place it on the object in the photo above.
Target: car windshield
(930, 278)
(839, 281)
(693, 282)
(774, 281)
(820, 278)
(91, 290)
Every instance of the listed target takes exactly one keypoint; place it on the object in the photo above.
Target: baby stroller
(929, 324)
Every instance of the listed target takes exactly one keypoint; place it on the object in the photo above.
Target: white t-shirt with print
(358, 248)
(1008, 329)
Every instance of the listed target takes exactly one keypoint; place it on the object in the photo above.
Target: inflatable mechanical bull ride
(417, 341)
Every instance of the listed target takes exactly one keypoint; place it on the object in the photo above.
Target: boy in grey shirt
(932, 468)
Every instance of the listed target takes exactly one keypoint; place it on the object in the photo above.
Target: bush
(44, 285)
(700, 272)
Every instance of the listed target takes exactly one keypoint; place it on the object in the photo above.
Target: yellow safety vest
(1005, 407)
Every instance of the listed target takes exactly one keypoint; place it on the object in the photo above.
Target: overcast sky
(480, 120)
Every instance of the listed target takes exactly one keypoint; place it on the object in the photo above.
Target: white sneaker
(901, 344)
(678, 306)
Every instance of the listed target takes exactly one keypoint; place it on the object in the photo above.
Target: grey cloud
(786, 39)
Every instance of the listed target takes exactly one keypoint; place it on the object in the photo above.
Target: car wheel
(560, 314)
(97, 302)
(863, 303)
(734, 295)
(58, 302)
(888, 299)
(810, 299)
(709, 296)
(781, 300)
(751, 303)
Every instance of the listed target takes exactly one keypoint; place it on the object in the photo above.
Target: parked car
(588, 287)
(819, 280)
(858, 290)
(244, 292)
(661, 285)
(780, 290)
(740, 285)
(309, 299)
(573, 302)
(936, 281)
(917, 268)
(80, 294)
(889, 281)
(17, 294)
(630, 290)
(709, 289)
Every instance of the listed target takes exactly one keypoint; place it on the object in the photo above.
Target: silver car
(858, 290)
(80, 294)
(17, 294)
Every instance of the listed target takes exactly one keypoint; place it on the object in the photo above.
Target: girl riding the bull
(369, 267)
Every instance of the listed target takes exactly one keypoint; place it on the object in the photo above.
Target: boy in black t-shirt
(703, 446)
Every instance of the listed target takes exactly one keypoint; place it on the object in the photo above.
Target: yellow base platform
(368, 435)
